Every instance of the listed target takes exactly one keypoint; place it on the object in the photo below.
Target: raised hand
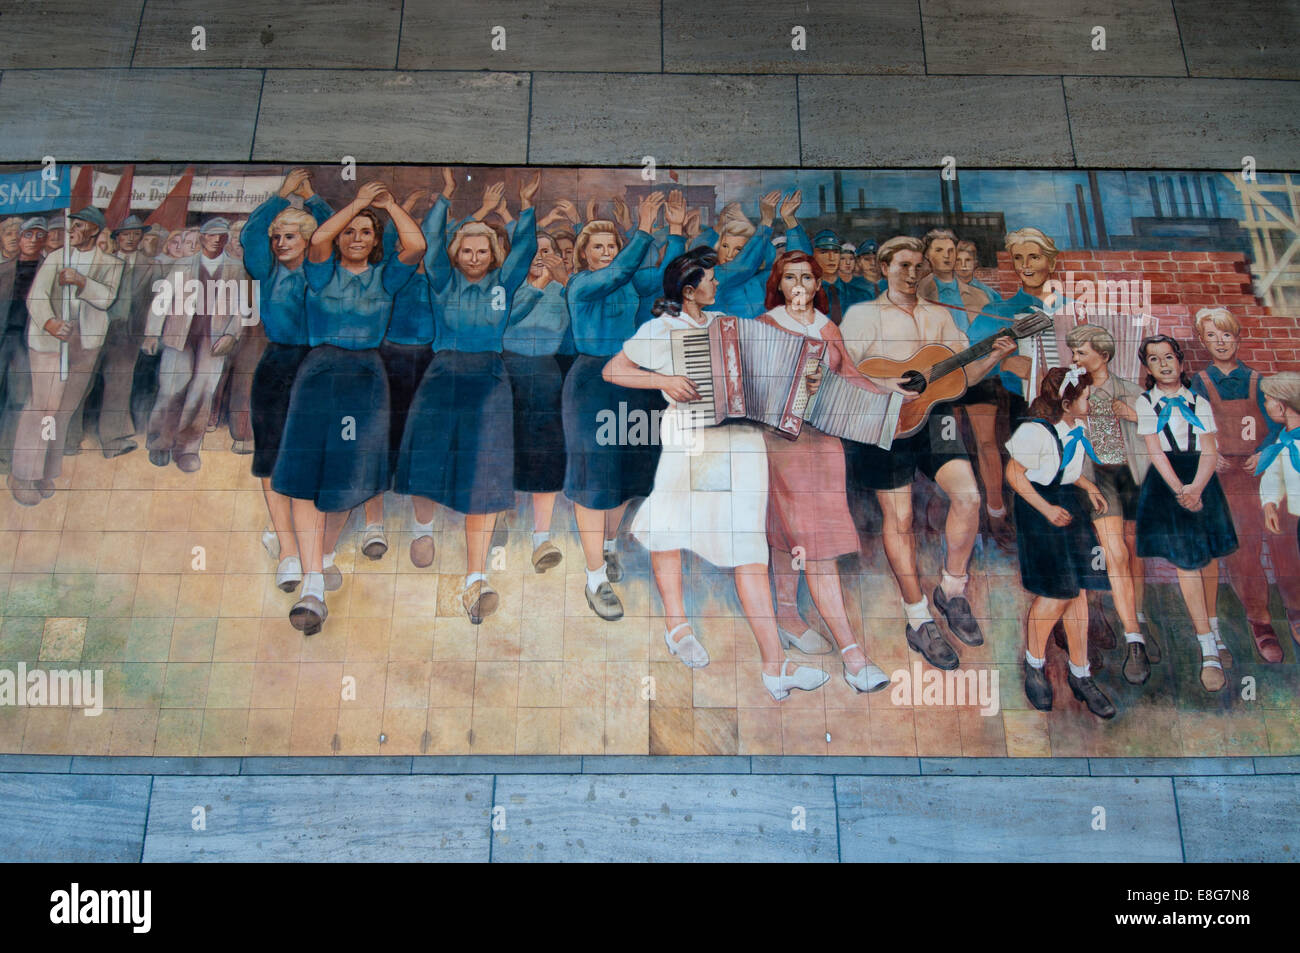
(293, 182)
(767, 207)
(790, 206)
(384, 199)
(414, 198)
(448, 183)
(731, 210)
(675, 211)
(648, 210)
(621, 213)
(367, 194)
(555, 267)
(593, 208)
(528, 190)
(569, 210)
(692, 225)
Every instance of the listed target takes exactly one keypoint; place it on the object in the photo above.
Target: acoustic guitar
(936, 372)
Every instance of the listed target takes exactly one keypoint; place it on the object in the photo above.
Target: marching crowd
(459, 363)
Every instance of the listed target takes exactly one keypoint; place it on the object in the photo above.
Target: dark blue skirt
(602, 473)
(459, 444)
(335, 446)
(1167, 531)
(269, 401)
(405, 365)
(1056, 562)
(536, 384)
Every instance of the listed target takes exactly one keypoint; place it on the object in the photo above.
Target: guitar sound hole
(914, 381)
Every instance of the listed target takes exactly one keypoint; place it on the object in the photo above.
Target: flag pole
(67, 294)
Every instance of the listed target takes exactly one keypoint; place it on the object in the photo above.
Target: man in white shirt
(895, 326)
(195, 348)
(94, 276)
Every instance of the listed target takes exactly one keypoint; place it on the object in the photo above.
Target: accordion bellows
(751, 370)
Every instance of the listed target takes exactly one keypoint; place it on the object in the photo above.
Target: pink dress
(807, 503)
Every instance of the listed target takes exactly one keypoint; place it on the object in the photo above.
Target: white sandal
(689, 649)
(805, 679)
(869, 678)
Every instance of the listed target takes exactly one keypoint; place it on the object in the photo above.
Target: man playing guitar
(895, 326)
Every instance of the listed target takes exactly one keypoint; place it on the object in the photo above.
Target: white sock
(1034, 662)
(918, 613)
(1209, 644)
(611, 545)
(289, 564)
(314, 585)
(1134, 637)
(953, 585)
(539, 538)
(419, 530)
(327, 560)
(1080, 671)
(595, 577)
(1000, 512)
(1141, 617)
(1218, 636)
(475, 577)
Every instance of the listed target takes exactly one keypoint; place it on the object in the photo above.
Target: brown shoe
(24, 491)
(422, 552)
(308, 615)
(480, 601)
(1212, 677)
(1266, 643)
(546, 556)
(188, 462)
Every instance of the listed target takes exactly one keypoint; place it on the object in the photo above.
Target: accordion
(749, 369)
(1046, 351)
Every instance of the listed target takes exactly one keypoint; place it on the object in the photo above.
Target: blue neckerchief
(1077, 438)
(1167, 405)
(1286, 440)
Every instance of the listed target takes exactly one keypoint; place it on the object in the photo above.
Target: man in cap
(851, 293)
(16, 277)
(94, 276)
(127, 318)
(826, 252)
(55, 237)
(194, 347)
(865, 272)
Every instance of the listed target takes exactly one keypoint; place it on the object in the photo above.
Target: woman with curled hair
(334, 453)
(808, 506)
(458, 446)
(275, 245)
(1055, 535)
(725, 526)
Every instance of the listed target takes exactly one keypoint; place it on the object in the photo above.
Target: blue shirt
(463, 310)
(742, 282)
(649, 280)
(603, 304)
(539, 320)
(1235, 385)
(996, 316)
(860, 290)
(412, 319)
(351, 310)
(282, 291)
(994, 297)
(949, 294)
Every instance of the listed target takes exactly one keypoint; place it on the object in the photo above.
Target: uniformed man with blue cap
(826, 252)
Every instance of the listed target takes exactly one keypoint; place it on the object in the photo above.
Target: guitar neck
(968, 356)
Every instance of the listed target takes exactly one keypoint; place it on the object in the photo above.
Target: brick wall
(1181, 284)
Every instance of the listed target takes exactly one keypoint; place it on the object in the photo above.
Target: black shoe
(160, 458)
(929, 641)
(1037, 688)
(1086, 690)
(1137, 667)
(115, 448)
(956, 612)
(1153, 647)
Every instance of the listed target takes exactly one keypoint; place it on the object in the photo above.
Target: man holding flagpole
(68, 307)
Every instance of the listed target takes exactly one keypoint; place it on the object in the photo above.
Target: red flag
(171, 213)
(83, 191)
(119, 207)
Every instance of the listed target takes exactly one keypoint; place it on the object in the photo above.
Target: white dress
(710, 489)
